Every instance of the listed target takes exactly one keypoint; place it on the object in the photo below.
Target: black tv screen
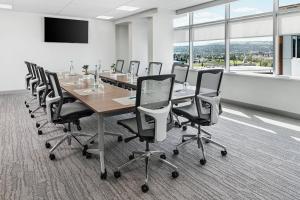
(66, 30)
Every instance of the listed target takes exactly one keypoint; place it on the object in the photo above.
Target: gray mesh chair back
(154, 68)
(181, 71)
(153, 92)
(28, 67)
(134, 67)
(209, 81)
(119, 66)
(33, 68)
(56, 95)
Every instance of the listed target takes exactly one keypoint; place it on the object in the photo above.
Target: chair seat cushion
(190, 112)
(74, 110)
(68, 98)
(131, 125)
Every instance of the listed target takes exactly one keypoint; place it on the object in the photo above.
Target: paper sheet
(90, 91)
(125, 100)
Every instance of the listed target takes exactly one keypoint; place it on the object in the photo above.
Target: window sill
(270, 76)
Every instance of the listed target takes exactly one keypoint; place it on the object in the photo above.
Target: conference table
(108, 100)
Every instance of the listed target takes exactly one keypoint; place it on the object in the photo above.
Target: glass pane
(209, 14)
(252, 55)
(250, 7)
(181, 52)
(209, 54)
(181, 20)
(288, 2)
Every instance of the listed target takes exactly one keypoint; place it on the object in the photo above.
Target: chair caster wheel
(120, 138)
(37, 125)
(206, 141)
(184, 128)
(25, 102)
(192, 124)
(40, 132)
(131, 157)
(177, 125)
(48, 145)
(88, 155)
(78, 128)
(224, 153)
(202, 161)
(30, 111)
(52, 156)
(175, 174)
(92, 142)
(104, 175)
(183, 140)
(65, 130)
(145, 188)
(175, 152)
(27, 106)
(32, 116)
(117, 174)
(85, 147)
(163, 156)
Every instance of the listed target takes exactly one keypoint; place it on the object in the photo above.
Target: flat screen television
(66, 30)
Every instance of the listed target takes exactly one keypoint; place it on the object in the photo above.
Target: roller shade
(181, 36)
(289, 24)
(248, 28)
(212, 32)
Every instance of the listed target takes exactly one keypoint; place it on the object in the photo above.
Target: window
(181, 52)
(252, 55)
(209, 14)
(242, 8)
(209, 54)
(288, 2)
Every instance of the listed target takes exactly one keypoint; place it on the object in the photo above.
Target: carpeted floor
(263, 161)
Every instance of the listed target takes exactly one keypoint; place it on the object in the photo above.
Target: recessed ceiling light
(127, 8)
(104, 17)
(5, 6)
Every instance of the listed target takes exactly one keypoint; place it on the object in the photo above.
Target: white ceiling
(93, 8)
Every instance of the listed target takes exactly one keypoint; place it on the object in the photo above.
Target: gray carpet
(263, 161)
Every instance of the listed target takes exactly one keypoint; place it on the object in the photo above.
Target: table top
(109, 99)
(100, 100)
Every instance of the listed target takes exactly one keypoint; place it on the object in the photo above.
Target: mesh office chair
(119, 66)
(28, 75)
(60, 113)
(40, 88)
(153, 103)
(204, 111)
(134, 67)
(154, 68)
(181, 71)
(32, 85)
(45, 90)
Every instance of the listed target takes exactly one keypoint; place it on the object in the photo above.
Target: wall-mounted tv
(66, 30)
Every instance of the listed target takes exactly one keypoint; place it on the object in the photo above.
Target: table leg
(101, 145)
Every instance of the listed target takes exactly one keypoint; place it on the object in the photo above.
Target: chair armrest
(161, 119)
(214, 109)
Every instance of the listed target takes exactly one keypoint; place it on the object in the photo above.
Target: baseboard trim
(13, 92)
(262, 108)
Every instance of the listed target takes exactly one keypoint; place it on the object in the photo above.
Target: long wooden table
(103, 102)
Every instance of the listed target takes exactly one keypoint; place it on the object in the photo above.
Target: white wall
(140, 42)
(163, 39)
(122, 42)
(22, 36)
